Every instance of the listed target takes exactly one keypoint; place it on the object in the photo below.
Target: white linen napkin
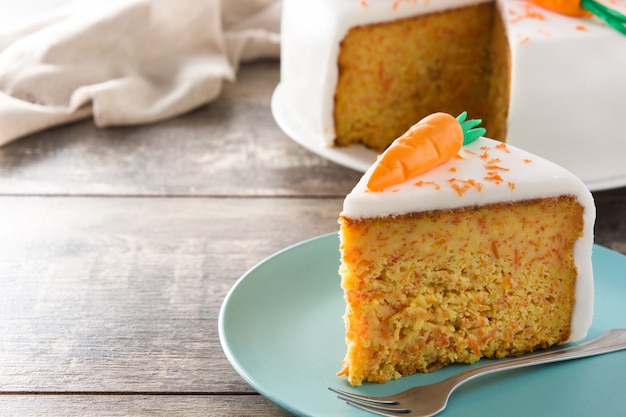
(127, 62)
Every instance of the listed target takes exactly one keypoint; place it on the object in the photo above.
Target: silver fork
(428, 400)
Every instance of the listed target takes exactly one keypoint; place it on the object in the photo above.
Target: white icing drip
(567, 89)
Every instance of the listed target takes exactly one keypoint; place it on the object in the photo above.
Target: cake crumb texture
(425, 290)
(392, 74)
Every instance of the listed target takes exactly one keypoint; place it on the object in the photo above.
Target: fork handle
(611, 341)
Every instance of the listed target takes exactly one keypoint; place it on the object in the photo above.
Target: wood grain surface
(118, 246)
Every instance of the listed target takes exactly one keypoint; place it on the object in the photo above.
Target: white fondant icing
(568, 89)
(489, 172)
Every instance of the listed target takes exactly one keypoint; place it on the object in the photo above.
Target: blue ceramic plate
(281, 327)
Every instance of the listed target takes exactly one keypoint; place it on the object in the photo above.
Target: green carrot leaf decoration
(586, 8)
(470, 131)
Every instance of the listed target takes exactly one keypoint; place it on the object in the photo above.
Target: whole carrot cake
(361, 72)
(451, 252)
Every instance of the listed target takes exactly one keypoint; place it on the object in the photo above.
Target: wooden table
(117, 247)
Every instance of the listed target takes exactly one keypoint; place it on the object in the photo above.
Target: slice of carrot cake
(451, 252)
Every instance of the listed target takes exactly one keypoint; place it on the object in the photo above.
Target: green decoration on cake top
(470, 131)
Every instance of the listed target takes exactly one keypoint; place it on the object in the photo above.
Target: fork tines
(378, 406)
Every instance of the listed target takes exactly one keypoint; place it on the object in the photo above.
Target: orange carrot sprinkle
(503, 147)
(433, 183)
(397, 3)
(461, 186)
(529, 12)
(496, 167)
(458, 189)
(494, 177)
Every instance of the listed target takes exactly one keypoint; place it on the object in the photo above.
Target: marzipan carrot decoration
(566, 7)
(586, 8)
(431, 141)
